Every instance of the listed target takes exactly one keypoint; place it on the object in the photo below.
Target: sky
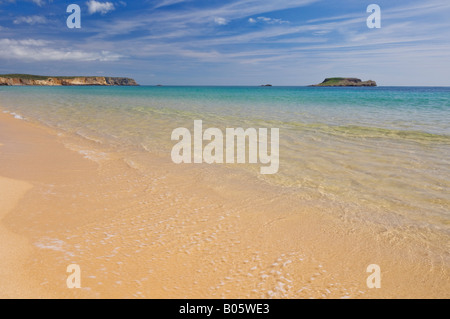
(230, 42)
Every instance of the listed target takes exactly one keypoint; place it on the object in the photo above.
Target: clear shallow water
(384, 150)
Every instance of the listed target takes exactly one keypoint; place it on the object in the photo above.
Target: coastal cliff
(346, 82)
(36, 80)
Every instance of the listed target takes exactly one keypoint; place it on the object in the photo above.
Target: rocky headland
(37, 80)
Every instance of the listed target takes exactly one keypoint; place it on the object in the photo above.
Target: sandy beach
(153, 235)
(236, 150)
(14, 248)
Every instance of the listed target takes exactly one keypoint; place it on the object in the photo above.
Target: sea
(381, 152)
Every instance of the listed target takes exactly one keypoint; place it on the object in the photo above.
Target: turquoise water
(384, 150)
(397, 108)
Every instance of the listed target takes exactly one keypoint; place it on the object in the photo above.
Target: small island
(346, 82)
(38, 80)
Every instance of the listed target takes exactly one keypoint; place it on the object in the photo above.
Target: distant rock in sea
(37, 80)
(346, 82)
(266, 85)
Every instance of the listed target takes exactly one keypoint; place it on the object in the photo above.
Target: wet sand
(172, 232)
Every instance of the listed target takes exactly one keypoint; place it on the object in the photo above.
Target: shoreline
(155, 236)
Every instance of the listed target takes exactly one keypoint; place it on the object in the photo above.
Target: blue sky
(235, 42)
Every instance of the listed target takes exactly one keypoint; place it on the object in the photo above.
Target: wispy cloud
(187, 18)
(267, 20)
(40, 2)
(166, 3)
(30, 20)
(42, 50)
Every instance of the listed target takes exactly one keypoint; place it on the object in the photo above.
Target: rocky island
(346, 82)
(38, 80)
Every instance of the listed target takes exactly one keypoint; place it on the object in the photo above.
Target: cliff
(346, 82)
(26, 79)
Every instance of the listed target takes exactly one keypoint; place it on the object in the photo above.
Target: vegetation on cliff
(346, 82)
(39, 80)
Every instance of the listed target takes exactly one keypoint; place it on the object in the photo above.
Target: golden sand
(13, 249)
(173, 233)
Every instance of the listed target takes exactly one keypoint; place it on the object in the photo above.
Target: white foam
(17, 116)
(90, 138)
(53, 244)
(92, 155)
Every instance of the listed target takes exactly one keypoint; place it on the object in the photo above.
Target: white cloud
(39, 2)
(166, 3)
(30, 20)
(220, 21)
(41, 50)
(267, 20)
(100, 7)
